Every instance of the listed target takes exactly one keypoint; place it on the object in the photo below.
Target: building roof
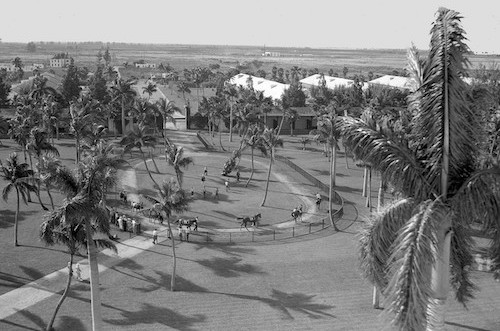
(331, 82)
(268, 88)
(301, 111)
(394, 81)
(53, 81)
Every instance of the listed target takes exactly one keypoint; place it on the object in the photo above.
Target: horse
(297, 213)
(136, 206)
(188, 222)
(247, 219)
(123, 196)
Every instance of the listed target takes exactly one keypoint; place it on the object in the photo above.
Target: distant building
(10, 67)
(61, 60)
(145, 65)
(403, 83)
(268, 88)
(271, 54)
(7, 66)
(330, 82)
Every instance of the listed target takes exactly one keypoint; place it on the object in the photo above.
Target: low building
(60, 62)
(403, 83)
(330, 82)
(269, 88)
(145, 65)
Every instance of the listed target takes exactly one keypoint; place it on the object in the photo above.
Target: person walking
(216, 193)
(205, 171)
(155, 236)
(78, 272)
(226, 184)
(203, 180)
(192, 192)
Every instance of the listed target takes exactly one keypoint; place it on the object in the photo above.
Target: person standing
(155, 236)
(238, 175)
(226, 184)
(205, 171)
(318, 200)
(217, 193)
(203, 180)
(192, 192)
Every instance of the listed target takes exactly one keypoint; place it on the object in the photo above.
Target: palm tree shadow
(31, 272)
(7, 217)
(227, 249)
(149, 314)
(69, 323)
(37, 320)
(230, 267)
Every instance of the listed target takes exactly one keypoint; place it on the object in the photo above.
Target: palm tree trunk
(268, 176)
(64, 295)
(332, 185)
(172, 279)
(146, 165)
(251, 173)
(231, 123)
(95, 295)
(154, 162)
(220, 136)
(123, 118)
(50, 196)
(16, 220)
(440, 279)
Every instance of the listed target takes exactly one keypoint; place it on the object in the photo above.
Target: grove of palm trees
(72, 163)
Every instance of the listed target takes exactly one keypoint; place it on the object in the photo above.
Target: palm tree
(270, 140)
(124, 94)
(410, 249)
(327, 131)
(175, 157)
(83, 115)
(39, 145)
(230, 93)
(65, 226)
(84, 192)
(166, 109)
(139, 138)
(253, 139)
(18, 176)
(149, 89)
(170, 198)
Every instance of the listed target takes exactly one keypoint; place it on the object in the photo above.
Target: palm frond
(105, 243)
(396, 162)
(378, 235)
(409, 292)
(460, 260)
(447, 129)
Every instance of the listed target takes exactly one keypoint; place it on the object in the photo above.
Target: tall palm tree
(253, 140)
(166, 109)
(231, 93)
(39, 145)
(18, 175)
(170, 198)
(412, 248)
(270, 140)
(139, 138)
(175, 157)
(65, 226)
(84, 192)
(83, 115)
(328, 132)
(124, 94)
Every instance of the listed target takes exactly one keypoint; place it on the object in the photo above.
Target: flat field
(358, 61)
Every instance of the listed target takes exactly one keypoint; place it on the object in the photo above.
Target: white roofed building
(331, 82)
(399, 82)
(269, 88)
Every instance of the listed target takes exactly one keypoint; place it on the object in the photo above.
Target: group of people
(123, 221)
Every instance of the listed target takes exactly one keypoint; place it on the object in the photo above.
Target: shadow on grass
(149, 314)
(31, 272)
(229, 267)
(7, 216)
(69, 323)
(466, 326)
(35, 319)
(227, 249)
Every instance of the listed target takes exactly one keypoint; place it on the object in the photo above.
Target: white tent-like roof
(331, 82)
(269, 88)
(394, 81)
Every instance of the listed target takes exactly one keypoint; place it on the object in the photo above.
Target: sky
(290, 23)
